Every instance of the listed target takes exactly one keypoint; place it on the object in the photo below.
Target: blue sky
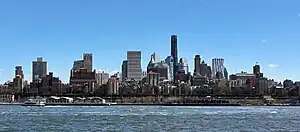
(241, 32)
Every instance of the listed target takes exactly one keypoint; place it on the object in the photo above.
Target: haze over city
(241, 32)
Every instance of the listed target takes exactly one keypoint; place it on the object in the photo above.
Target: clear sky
(242, 32)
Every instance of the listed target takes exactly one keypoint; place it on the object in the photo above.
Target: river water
(149, 118)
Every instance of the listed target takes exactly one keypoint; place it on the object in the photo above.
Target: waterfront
(149, 118)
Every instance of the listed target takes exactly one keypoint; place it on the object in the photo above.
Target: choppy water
(149, 118)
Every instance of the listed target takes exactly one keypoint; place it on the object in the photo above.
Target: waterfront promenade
(167, 101)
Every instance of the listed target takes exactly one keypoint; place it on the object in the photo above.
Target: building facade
(174, 54)
(203, 69)
(170, 62)
(102, 78)
(78, 64)
(134, 69)
(124, 71)
(88, 61)
(225, 73)
(256, 69)
(262, 86)
(217, 66)
(183, 65)
(83, 79)
(39, 69)
(113, 86)
(161, 68)
(19, 71)
(209, 72)
(197, 61)
(153, 79)
(50, 85)
(18, 79)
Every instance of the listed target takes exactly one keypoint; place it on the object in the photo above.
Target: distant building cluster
(169, 76)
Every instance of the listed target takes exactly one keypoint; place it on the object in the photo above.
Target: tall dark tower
(197, 67)
(209, 72)
(174, 54)
(256, 69)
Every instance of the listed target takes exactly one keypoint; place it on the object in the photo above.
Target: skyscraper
(39, 69)
(204, 69)
(197, 67)
(88, 61)
(134, 69)
(209, 72)
(217, 66)
(124, 70)
(19, 72)
(256, 70)
(18, 79)
(174, 54)
(183, 65)
(170, 62)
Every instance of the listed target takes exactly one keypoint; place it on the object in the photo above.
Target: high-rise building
(170, 62)
(88, 61)
(197, 61)
(77, 65)
(174, 54)
(183, 65)
(203, 69)
(85, 63)
(19, 72)
(218, 66)
(124, 71)
(18, 79)
(134, 69)
(256, 69)
(209, 72)
(39, 69)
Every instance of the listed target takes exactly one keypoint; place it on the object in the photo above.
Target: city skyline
(190, 69)
(60, 36)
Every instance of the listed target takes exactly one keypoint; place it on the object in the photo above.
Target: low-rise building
(50, 85)
(153, 79)
(102, 78)
(262, 86)
(113, 85)
(84, 78)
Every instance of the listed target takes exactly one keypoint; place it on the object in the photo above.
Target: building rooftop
(245, 74)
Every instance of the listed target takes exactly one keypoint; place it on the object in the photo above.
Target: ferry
(34, 102)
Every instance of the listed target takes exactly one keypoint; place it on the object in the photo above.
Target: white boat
(34, 102)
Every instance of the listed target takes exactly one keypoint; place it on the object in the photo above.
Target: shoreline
(147, 104)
